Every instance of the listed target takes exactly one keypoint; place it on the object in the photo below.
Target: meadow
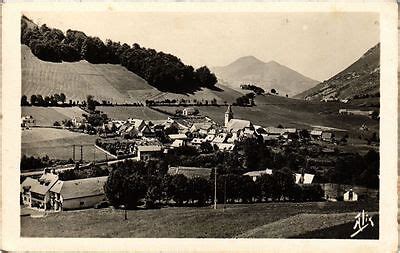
(261, 220)
(57, 144)
(46, 116)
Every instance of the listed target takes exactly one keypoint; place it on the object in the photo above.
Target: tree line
(133, 182)
(164, 71)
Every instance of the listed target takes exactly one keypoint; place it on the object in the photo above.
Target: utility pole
(94, 154)
(215, 188)
(81, 153)
(73, 152)
(224, 193)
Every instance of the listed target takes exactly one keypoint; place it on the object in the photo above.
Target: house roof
(307, 178)
(198, 140)
(290, 130)
(210, 137)
(80, 188)
(190, 172)
(149, 148)
(316, 132)
(220, 138)
(177, 143)
(177, 136)
(258, 173)
(275, 130)
(44, 183)
(28, 182)
(238, 124)
(267, 137)
(326, 135)
(225, 146)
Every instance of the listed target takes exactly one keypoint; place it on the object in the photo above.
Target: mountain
(111, 82)
(360, 79)
(250, 70)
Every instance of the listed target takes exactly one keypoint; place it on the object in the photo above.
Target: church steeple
(228, 115)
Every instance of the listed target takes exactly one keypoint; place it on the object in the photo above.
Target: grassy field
(267, 220)
(57, 144)
(46, 116)
(125, 112)
(104, 81)
(272, 111)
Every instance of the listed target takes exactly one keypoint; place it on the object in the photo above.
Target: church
(236, 125)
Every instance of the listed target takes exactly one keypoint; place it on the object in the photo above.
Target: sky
(317, 45)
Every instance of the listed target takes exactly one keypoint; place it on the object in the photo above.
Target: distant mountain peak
(267, 75)
(248, 60)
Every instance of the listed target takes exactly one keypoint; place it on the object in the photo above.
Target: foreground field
(267, 220)
(58, 144)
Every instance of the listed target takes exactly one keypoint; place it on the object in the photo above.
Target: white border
(12, 138)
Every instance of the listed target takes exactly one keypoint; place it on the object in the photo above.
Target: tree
(62, 98)
(91, 105)
(273, 91)
(178, 189)
(206, 147)
(33, 100)
(126, 184)
(24, 100)
(205, 77)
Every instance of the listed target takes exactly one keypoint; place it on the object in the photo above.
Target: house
(27, 121)
(355, 112)
(189, 111)
(220, 138)
(178, 143)
(304, 178)
(178, 136)
(316, 134)
(234, 137)
(147, 152)
(197, 141)
(327, 136)
(190, 172)
(257, 173)
(201, 127)
(270, 138)
(275, 131)
(77, 194)
(210, 137)
(350, 195)
(36, 192)
(25, 190)
(225, 146)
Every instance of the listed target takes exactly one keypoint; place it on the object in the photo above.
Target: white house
(304, 178)
(189, 111)
(350, 195)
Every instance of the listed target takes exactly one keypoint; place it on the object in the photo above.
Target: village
(189, 135)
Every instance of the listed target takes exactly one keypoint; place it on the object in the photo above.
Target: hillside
(104, 81)
(268, 75)
(359, 79)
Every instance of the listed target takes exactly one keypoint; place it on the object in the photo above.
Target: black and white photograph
(200, 124)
